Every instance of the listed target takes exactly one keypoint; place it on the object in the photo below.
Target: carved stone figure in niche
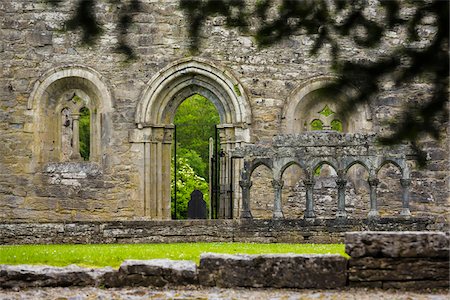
(66, 134)
(75, 129)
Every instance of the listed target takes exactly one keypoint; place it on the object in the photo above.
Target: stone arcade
(277, 130)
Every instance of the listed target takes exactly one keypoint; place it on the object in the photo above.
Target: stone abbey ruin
(286, 154)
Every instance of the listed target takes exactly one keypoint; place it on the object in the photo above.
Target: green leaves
(424, 58)
(85, 133)
(187, 182)
(195, 122)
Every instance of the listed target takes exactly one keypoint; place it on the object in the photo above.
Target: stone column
(373, 183)
(405, 183)
(75, 137)
(278, 189)
(166, 158)
(245, 212)
(309, 186)
(341, 182)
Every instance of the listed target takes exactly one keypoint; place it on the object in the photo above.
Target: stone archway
(50, 95)
(154, 117)
(305, 98)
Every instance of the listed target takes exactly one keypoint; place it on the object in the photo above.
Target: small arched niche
(314, 106)
(389, 191)
(294, 191)
(261, 192)
(59, 99)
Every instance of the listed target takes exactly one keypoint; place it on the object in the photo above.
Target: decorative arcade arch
(154, 117)
(312, 149)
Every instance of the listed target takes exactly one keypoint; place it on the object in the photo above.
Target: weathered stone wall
(112, 188)
(407, 260)
(398, 259)
(262, 231)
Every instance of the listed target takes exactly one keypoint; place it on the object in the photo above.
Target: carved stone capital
(341, 182)
(277, 184)
(374, 182)
(308, 182)
(405, 182)
(245, 184)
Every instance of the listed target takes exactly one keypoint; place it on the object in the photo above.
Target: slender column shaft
(309, 185)
(278, 188)
(373, 184)
(405, 183)
(75, 137)
(341, 198)
(147, 179)
(245, 185)
(166, 155)
(153, 180)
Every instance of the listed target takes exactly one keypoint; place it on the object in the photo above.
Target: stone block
(397, 244)
(416, 285)
(24, 276)
(395, 269)
(155, 272)
(277, 271)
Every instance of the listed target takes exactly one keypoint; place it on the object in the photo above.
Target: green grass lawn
(114, 254)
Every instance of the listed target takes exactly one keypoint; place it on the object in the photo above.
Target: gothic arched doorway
(154, 119)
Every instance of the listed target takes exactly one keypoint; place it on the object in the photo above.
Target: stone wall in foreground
(264, 231)
(410, 260)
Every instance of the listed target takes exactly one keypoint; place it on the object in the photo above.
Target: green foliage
(195, 119)
(113, 255)
(316, 125)
(85, 133)
(326, 111)
(194, 160)
(330, 24)
(336, 125)
(187, 182)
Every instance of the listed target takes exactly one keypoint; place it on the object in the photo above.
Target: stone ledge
(397, 269)
(278, 271)
(397, 244)
(23, 276)
(155, 272)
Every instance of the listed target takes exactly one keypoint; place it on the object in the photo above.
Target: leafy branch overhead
(330, 23)
(421, 56)
(85, 19)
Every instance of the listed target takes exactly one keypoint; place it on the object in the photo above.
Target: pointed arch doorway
(154, 120)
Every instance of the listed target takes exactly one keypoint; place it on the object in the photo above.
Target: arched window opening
(336, 125)
(262, 193)
(357, 202)
(316, 125)
(76, 128)
(389, 197)
(85, 133)
(325, 191)
(294, 193)
(326, 111)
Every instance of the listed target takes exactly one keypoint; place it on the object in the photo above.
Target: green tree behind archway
(195, 122)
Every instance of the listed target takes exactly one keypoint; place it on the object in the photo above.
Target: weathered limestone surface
(21, 276)
(275, 271)
(397, 244)
(293, 271)
(155, 272)
(263, 231)
(112, 186)
(398, 259)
